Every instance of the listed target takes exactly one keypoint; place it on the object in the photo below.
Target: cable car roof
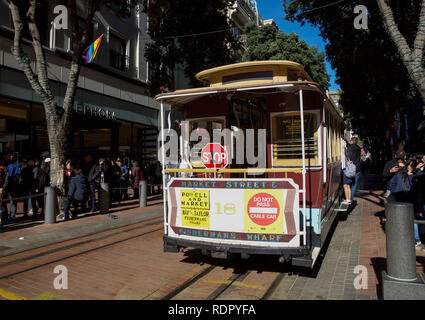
(280, 75)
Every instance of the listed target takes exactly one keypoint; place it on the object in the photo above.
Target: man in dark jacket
(3, 207)
(354, 153)
(78, 194)
(27, 187)
(97, 175)
(42, 180)
(392, 167)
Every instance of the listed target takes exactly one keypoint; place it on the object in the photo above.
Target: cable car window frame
(222, 119)
(297, 162)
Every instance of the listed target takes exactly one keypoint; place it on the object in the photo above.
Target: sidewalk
(373, 239)
(29, 234)
(357, 240)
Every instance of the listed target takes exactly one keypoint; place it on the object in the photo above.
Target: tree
(194, 33)
(24, 14)
(412, 57)
(375, 85)
(269, 43)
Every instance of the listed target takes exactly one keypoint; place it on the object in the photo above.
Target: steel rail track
(77, 245)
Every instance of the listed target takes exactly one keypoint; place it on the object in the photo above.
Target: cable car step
(307, 261)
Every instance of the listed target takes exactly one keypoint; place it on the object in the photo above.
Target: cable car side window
(286, 139)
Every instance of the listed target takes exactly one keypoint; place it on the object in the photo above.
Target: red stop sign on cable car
(214, 156)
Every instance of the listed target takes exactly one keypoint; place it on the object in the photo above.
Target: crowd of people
(404, 177)
(25, 181)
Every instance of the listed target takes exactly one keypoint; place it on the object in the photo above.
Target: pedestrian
(419, 193)
(114, 172)
(3, 207)
(95, 178)
(87, 165)
(69, 173)
(401, 184)
(27, 186)
(354, 155)
(41, 180)
(391, 168)
(137, 176)
(46, 166)
(158, 175)
(77, 195)
(11, 186)
(366, 158)
(123, 180)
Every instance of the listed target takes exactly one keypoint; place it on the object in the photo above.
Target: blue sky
(273, 9)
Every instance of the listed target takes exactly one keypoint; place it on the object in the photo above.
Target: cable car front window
(202, 126)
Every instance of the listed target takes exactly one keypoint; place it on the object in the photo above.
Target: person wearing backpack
(347, 174)
(354, 155)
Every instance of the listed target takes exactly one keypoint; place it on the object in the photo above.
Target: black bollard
(401, 282)
(104, 198)
(50, 205)
(143, 189)
(401, 255)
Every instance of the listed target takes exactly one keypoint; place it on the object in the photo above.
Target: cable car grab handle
(303, 159)
(164, 187)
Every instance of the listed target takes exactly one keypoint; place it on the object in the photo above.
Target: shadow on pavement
(22, 223)
(421, 260)
(261, 263)
(379, 264)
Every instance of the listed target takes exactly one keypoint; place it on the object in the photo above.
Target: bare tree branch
(411, 62)
(22, 58)
(392, 29)
(41, 66)
(78, 44)
(418, 46)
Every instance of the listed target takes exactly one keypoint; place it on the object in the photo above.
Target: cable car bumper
(223, 251)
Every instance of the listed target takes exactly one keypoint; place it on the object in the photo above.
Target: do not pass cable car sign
(214, 156)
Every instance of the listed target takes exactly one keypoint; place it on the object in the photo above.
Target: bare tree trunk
(57, 119)
(412, 58)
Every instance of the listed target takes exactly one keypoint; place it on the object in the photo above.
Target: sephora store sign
(95, 111)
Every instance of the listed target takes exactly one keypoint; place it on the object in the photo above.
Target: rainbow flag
(91, 52)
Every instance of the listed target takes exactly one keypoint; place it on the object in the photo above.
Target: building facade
(112, 115)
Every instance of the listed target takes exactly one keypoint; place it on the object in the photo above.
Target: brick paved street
(123, 259)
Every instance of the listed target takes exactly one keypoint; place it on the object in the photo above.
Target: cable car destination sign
(235, 211)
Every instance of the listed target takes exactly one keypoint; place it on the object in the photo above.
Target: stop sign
(214, 156)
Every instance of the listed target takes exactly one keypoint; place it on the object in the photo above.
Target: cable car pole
(303, 159)
(164, 188)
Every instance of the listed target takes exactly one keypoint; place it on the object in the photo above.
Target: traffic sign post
(214, 156)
